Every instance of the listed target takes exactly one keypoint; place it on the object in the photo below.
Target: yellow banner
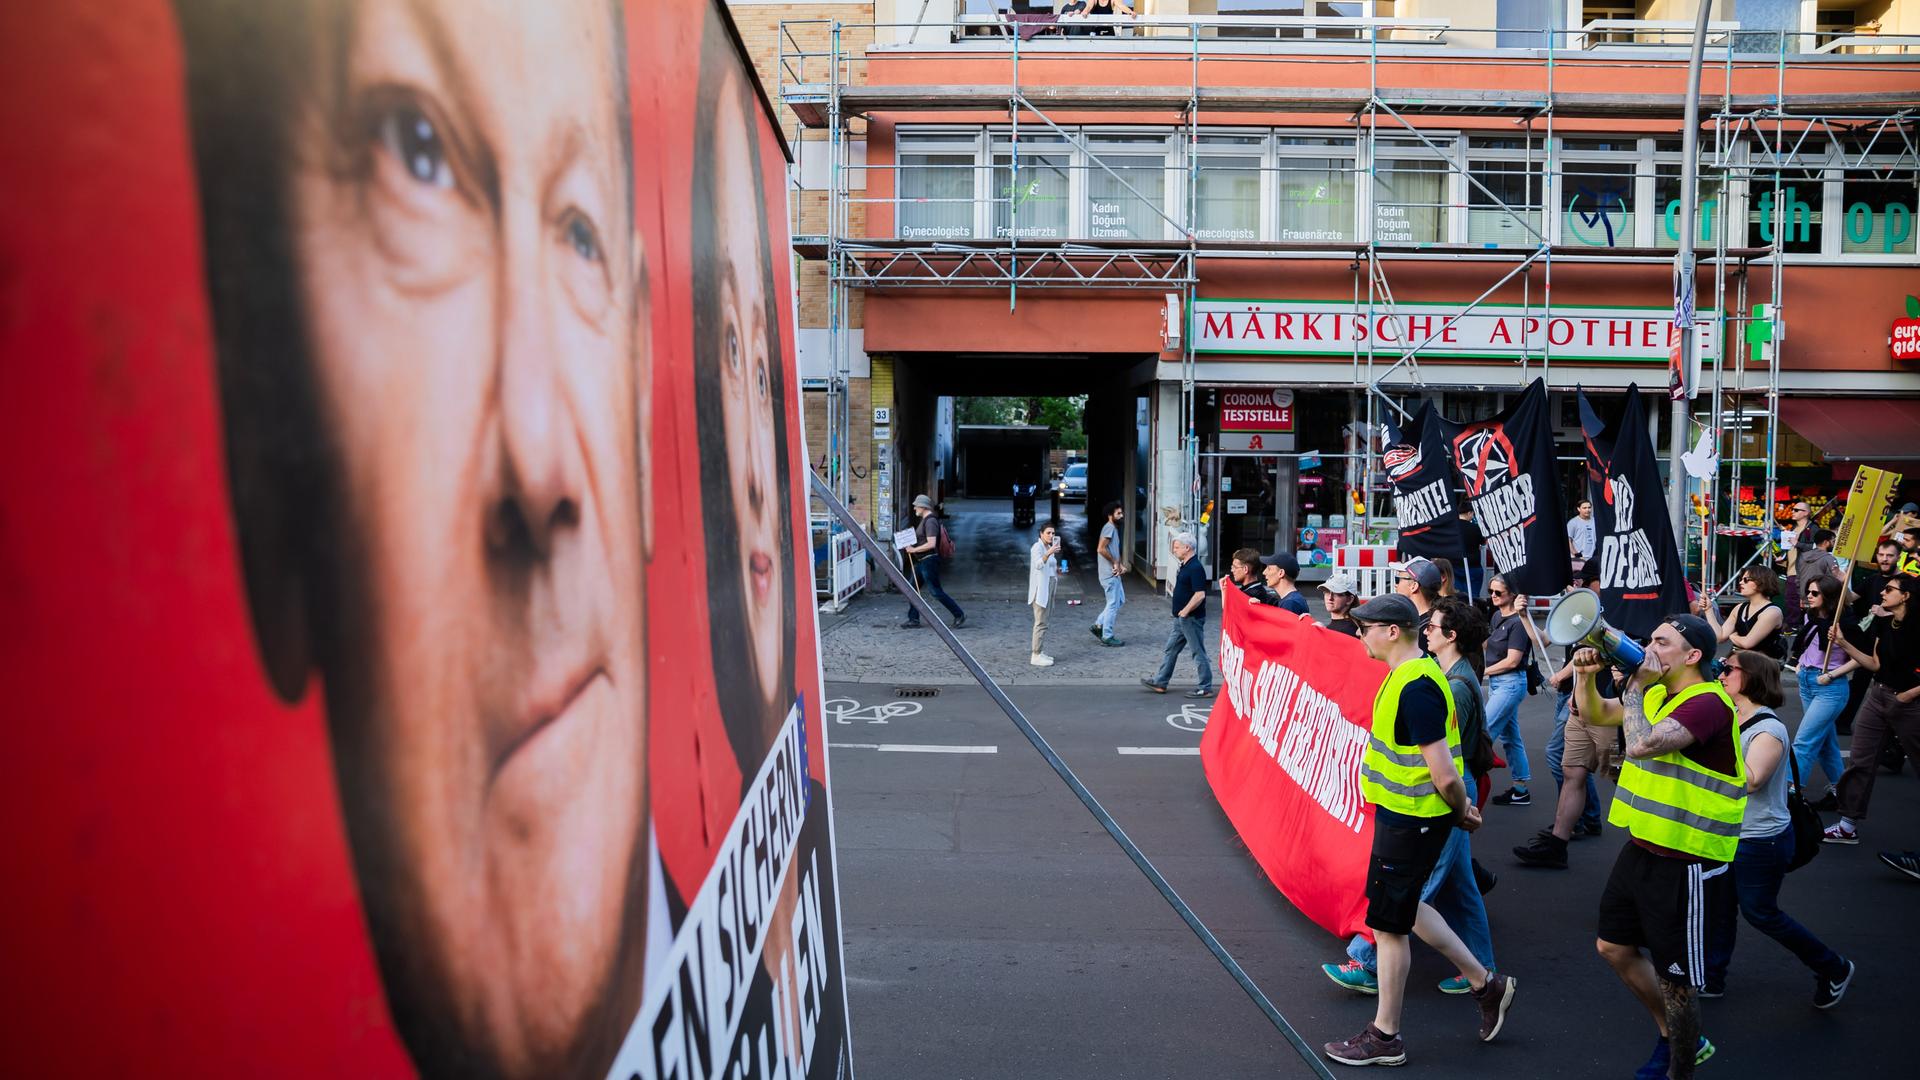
(1867, 506)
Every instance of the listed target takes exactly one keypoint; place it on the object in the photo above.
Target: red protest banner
(1282, 754)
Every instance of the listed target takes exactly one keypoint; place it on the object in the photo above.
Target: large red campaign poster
(1282, 754)
(404, 610)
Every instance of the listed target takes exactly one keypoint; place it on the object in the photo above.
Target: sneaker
(1712, 990)
(1353, 976)
(1369, 1047)
(1494, 1000)
(1041, 660)
(1586, 828)
(1112, 642)
(1200, 692)
(910, 624)
(1662, 1060)
(1828, 992)
(1153, 686)
(1514, 796)
(1544, 850)
(959, 621)
(1457, 985)
(1096, 631)
(1842, 833)
(1904, 861)
(1828, 803)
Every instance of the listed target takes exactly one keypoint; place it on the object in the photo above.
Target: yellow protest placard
(1867, 505)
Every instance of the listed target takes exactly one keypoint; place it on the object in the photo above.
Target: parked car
(1073, 486)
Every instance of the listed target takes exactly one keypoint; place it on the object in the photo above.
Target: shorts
(1587, 747)
(1661, 904)
(1403, 859)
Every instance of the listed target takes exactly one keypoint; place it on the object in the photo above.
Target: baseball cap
(1284, 560)
(1339, 583)
(1392, 609)
(1697, 633)
(1911, 508)
(923, 502)
(1423, 570)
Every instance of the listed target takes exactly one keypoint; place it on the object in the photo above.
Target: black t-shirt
(1344, 626)
(1899, 653)
(1421, 719)
(1189, 579)
(1507, 632)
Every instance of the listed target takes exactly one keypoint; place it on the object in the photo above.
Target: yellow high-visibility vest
(1676, 802)
(1393, 775)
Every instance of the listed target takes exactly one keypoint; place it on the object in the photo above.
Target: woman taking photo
(1766, 840)
(1824, 667)
(1758, 622)
(1509, 651)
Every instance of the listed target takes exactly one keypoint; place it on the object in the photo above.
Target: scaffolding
(1763, 131)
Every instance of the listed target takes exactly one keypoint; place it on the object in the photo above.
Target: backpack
(944, 548)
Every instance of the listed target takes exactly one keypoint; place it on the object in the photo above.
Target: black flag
(1636, 567)
(1421, 470)
(1507, 469)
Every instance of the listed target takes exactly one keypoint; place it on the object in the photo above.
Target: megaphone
(1575, 620)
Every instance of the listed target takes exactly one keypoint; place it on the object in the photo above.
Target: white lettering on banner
(1503, 514)
(1301, 729)
(1627, 560)
(1422, 504)
(1314, 327)
(691, 1017)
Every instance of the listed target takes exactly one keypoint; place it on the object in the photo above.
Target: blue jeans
(1454, 893)
(1504, 695)
(1189, 631)
(1116, 595)
(1557, 748)
(1759, 865)
(1815, 743)
(927, 568)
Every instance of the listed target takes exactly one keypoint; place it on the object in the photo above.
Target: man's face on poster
(746, 381)
(466, 264)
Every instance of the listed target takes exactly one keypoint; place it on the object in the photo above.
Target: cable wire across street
(884, 559)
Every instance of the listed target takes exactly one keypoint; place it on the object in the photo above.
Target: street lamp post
(1683, 275)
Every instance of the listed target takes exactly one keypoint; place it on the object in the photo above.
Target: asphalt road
(992, 929)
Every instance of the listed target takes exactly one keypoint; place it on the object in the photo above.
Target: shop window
(1597, 201)
(1313, 185)
(1878, 216)
(1666, 206)
(1031, 202)
(1795, 212)
(1510, 180)
(1409, 195)
(1227, 188)
(936, 192)
(1113, 211)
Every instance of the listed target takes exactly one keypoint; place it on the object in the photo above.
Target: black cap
(1391, 609)
(1697, 633)
(1285, 561)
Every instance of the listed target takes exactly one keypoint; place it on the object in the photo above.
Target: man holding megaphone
(1681, 797)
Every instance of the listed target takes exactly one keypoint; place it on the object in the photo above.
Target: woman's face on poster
(465, 257)
(746, 385)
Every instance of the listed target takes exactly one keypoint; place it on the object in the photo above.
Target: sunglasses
(1498, 592)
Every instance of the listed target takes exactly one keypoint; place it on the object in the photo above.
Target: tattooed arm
(1645, 739)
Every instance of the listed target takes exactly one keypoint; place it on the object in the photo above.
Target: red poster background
(180, 898)
(1316, 860)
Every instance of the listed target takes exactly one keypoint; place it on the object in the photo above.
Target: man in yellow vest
(1411, 773)
(1681, 796)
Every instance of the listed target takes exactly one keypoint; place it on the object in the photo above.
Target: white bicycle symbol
(847, 710)
(1189, 718)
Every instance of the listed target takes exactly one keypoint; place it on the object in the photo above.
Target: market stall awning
(1857, 429)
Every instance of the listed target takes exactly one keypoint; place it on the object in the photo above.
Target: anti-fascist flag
(1421, 469)
(1506, 468)
(1636, 568)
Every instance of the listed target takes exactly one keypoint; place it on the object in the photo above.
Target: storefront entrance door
(1253, 505)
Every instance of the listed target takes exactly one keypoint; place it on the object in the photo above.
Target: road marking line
(915, 748)
(1168, 751)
